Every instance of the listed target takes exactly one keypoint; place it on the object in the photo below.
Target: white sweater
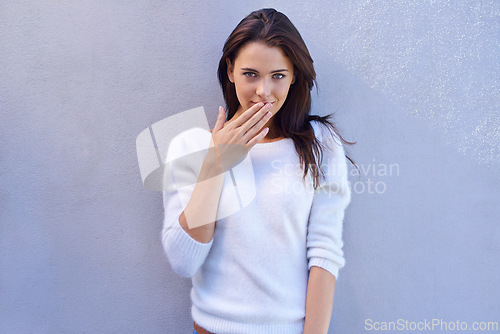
(252, 276)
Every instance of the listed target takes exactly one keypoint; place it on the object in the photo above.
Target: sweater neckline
(276, 142)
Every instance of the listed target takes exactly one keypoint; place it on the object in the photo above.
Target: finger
(220, 120)
(255, 118)
(248, 114)
(258, 126)
(257, 138)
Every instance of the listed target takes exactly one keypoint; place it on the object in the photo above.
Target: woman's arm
(319, 301)
(201, 210)
(189, 228)
(324, 236)
(186, 246)
(229, 145)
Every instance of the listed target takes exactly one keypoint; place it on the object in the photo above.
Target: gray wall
(414, 83)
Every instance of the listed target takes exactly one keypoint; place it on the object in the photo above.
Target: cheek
(243, 88)
(282, 91)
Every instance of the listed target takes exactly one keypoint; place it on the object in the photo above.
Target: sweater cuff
(186, 255)
(326, 264)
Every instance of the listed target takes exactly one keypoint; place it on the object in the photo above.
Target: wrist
(212, 165)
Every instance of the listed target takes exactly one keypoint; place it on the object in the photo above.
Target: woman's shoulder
(192, 136)
(333, 154)
(325, 134)
(189, 141)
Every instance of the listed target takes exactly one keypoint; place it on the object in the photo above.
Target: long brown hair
(293, 120)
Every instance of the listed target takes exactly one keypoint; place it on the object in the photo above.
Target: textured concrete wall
(415, 83)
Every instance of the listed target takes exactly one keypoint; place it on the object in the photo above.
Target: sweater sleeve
(185, 254)
(324, 234)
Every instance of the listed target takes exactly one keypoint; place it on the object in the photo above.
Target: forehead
(258, 55)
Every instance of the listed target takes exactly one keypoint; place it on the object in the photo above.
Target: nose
(264, 88)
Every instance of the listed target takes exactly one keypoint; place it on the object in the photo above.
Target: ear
(230, 70)
(293, 80)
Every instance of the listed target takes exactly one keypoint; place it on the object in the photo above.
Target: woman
(267, 266)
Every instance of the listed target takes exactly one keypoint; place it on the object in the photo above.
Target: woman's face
(261, 74)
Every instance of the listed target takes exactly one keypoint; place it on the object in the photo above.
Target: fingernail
(220, 108)
(261, 104)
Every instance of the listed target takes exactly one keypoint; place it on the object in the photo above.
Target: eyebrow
(251, 69)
